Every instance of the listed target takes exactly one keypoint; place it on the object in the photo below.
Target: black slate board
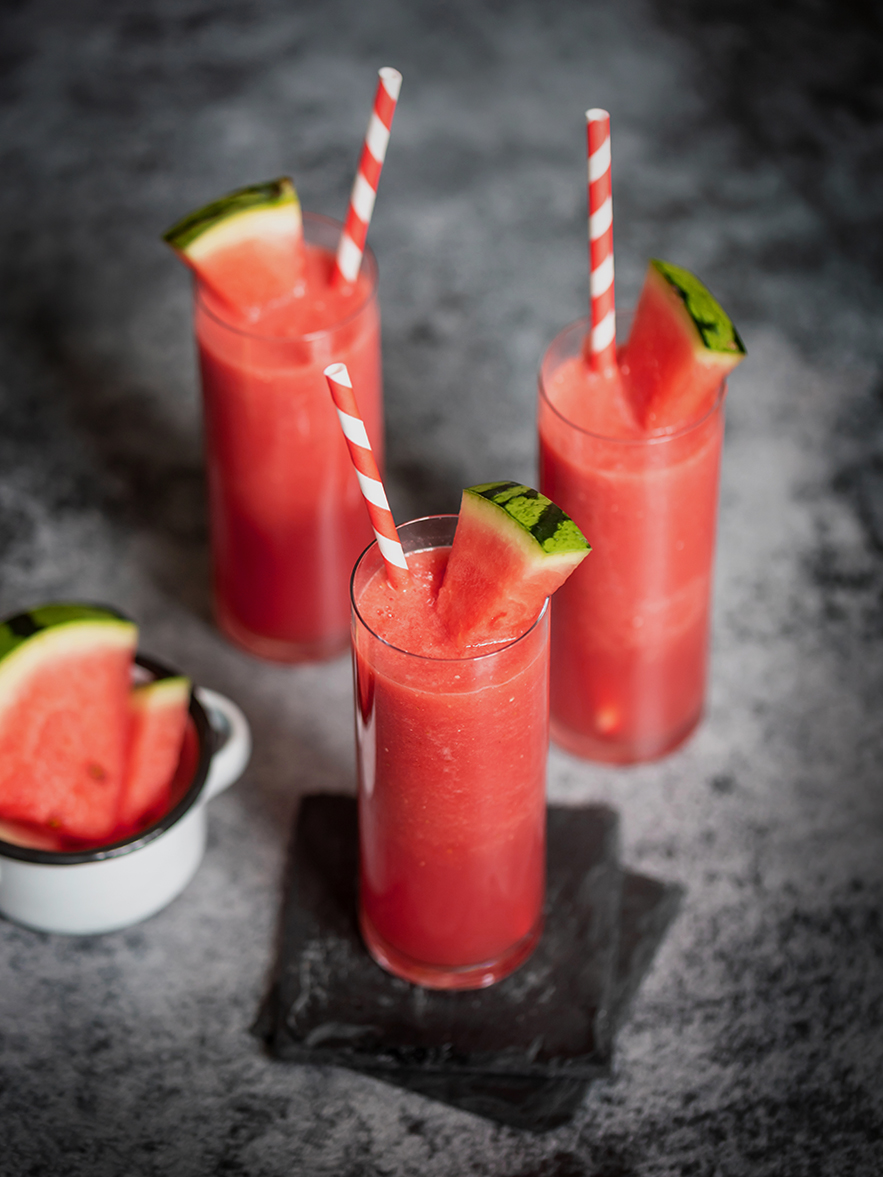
(520, 1052)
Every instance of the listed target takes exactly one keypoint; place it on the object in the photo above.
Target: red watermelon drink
(277, 299)
(287, 516)
(632, 453)
(451, 679)
(450, 651)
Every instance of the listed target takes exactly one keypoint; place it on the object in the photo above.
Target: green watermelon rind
(56, 641)
(22, 628)
(541, 529)
(512, 549)
(256, 198)
(714, 325)
(161, 691)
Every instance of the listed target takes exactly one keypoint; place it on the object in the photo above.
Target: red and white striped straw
(368, 475)
(602, 340)
(358, 217)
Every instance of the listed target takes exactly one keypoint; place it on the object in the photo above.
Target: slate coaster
(520, 1052)
(648, 908)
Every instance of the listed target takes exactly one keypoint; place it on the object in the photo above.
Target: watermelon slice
(159, 718)
(247, 247)
(65, 673)
(681, 347)
(33, 837)
(188, 762)
(512, 549)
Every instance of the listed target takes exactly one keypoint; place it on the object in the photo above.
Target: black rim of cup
(207, 738)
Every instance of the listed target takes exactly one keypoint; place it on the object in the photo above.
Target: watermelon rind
(173, 689)
(48, 631)
(17, 629)
(712, 323)
(161, 692)
(681, 347)
(233, 217)
(546, 534)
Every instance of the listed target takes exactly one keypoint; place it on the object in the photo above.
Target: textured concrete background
(747, 147)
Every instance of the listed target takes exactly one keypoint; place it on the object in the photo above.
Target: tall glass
(452, 769)
(630, 628)
(287, 517)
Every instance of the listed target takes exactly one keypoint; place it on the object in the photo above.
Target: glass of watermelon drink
(286, 514)
(633, 455)
(452, 708)
(452, 763)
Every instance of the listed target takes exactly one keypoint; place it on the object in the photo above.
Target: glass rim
(650, 438)
(307, 336)
(431, 657)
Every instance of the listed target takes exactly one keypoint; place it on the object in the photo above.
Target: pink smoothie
(630, 627)
(287, 518)
(452, 754)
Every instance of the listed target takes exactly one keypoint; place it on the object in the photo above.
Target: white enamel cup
(84, 892)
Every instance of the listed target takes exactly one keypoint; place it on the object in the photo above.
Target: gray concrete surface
(755, 1045)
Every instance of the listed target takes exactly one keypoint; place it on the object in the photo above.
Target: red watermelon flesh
(679, 351)
(512, 549)
(187, 764)
(64, 698)
(158, 724)
(251, 274)
(39, 837)
(19, 833)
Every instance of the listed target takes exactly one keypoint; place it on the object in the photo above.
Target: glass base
(277, 649)
(431, 976)
(612, 751)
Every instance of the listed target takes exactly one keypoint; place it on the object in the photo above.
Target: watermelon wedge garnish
(681, 347)
(247, 247)
(158, 721)
(512, 549)
(65, 675)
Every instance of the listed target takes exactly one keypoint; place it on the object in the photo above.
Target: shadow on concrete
(801, 78)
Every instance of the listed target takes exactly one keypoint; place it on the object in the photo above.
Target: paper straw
(358, 217)
(368, 475)
(602, 340)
